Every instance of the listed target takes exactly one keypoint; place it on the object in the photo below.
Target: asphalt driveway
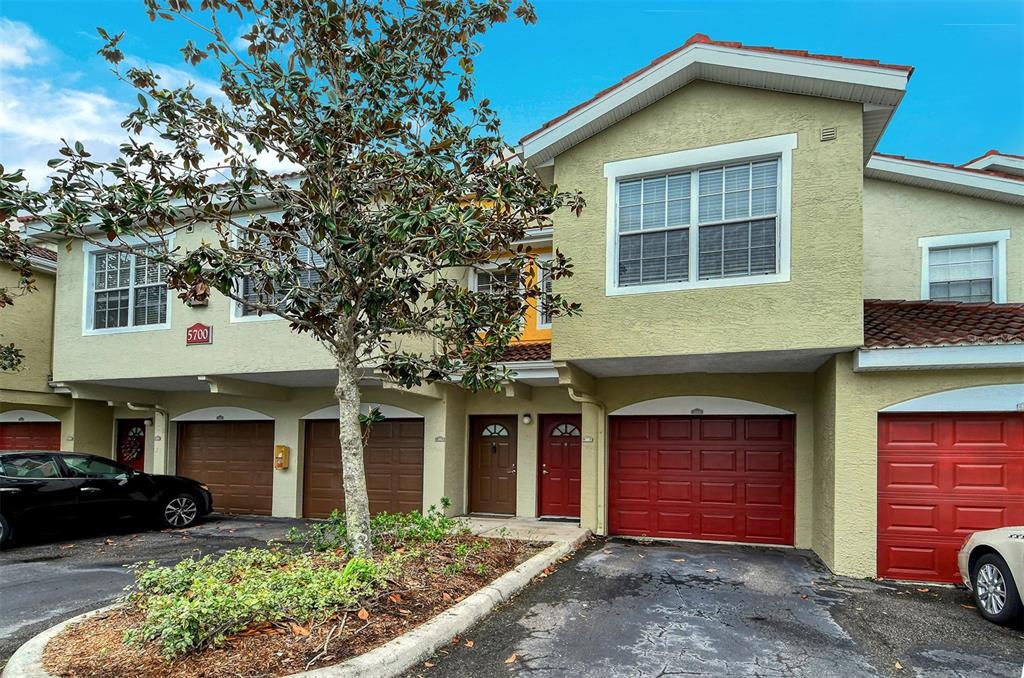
(44, 583)
(624, 609)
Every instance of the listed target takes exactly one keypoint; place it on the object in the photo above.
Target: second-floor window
(253, 290)
(961, 273)
(126, 291)
(733, 209)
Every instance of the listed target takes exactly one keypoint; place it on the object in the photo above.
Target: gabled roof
(878, 86)
(911, 324)
(966, 179)
(998, 162)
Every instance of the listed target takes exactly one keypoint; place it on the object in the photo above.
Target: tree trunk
(357, 503)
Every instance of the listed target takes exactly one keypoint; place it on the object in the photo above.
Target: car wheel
(5, 532)
(180, 511)
(995, 592)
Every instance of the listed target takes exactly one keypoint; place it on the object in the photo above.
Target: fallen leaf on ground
(711, 570)
(803, 596)
(110, 542)
(69, 546)
(679, 560)
(428, 664)
(402, 610)
(899, 667)
(469, 643)
(395, 598)
(363, 614)
(512, 659)
(299, 630)
(923, 590)
(967, 607)
(446, 596)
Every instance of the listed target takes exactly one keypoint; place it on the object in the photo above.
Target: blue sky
(966, 95)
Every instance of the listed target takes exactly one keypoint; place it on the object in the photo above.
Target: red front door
(716, 478)
(560, 465)
(131, 442)
(941, 477)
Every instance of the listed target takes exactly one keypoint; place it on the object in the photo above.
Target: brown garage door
(716, 478)
(393, 460)
(30, 435)
(235, 458)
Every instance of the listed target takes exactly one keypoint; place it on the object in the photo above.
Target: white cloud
(19, 45)
(38, 109)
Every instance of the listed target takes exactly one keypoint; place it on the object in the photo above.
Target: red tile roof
(700, 38)
(531, 351)
(947, 165)
(895, 324)
(43, 253)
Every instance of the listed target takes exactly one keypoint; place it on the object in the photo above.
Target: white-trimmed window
(543, 303)
(124, 292)
(967, 267)
(492, 279)
(702, 218)
(250, 289)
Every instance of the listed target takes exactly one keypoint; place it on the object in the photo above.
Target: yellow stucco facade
(892, 265)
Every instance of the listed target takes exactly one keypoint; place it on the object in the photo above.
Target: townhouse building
(787, 338)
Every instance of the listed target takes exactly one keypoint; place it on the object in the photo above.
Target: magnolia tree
(402, 183)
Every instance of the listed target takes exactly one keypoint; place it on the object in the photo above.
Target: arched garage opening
(29, 430)
(702, 467)
(949, 464)
(392, 458)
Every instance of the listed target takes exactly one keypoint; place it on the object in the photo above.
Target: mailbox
(280, 457)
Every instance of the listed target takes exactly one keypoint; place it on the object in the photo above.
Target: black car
(46, 489)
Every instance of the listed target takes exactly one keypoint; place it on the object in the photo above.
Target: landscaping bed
(294, 606)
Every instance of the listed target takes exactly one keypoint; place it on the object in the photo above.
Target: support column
(287, 490)
(161, 453)
(594, 469)
(526, 466)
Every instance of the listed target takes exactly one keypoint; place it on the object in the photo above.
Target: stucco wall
(247, 346)
(820, 307)
(859, 397)
(895, 216)
(28, 324)
(791, 392)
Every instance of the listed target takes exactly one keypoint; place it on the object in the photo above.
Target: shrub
(197, 603)
(388, 531)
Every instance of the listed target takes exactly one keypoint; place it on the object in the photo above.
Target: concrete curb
(388, 660)
(27, 661)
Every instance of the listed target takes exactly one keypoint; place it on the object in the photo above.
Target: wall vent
(190, 228)
(828, 134)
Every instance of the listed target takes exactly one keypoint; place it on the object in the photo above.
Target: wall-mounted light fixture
(527, 419)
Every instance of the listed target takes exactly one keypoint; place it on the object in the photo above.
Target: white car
(991, 563)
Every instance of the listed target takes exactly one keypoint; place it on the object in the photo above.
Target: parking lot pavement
(619, 608)
(48, 581)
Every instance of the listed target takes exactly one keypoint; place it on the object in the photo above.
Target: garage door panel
(675, 491)
(675, 460)
(941, 477)
(711, 487)
(673, 429)
(393, 466)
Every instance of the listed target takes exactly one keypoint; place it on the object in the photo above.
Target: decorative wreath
(131, 446)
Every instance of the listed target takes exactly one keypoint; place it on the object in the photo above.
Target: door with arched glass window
(492, 465)
(559, 485)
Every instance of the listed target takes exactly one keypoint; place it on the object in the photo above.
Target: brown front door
(560, 465)
(236, 460)
(492, 465)
(131, 442)
(392, 459)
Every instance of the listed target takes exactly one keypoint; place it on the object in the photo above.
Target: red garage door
(717, 478)
(941, 477)
(35, 435)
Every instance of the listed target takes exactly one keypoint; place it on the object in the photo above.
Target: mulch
(95, 648)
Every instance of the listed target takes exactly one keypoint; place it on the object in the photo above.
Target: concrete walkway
(526, 529)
